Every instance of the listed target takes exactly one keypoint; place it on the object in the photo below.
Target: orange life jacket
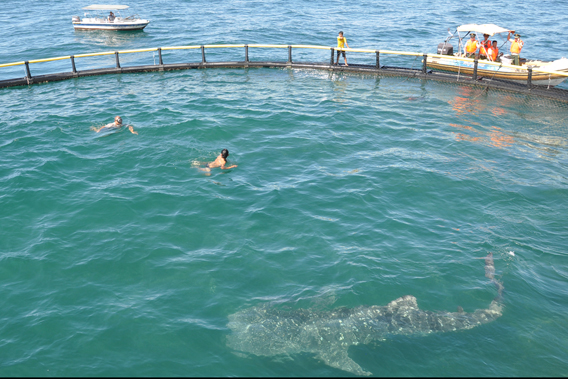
(484, 48)
(493, 53)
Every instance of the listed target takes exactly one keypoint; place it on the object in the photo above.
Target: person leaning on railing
(516, 47)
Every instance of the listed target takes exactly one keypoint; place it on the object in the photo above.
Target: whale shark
(265, 330)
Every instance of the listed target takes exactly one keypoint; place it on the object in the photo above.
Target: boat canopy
(490, 29)
(104, 7)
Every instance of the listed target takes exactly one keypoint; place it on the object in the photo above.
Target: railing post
(332, 51)
(378, 62)
(247, 53)
(424, 61)
(73, 64)
(161, 62)
(529, 78)
(117, 61)
(203, 54)
(289, 54)
(28, 75)
(475, 61)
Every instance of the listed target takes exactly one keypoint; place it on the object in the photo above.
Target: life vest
(493, 53)
(484, 48)
(516, 47)
(471, 46)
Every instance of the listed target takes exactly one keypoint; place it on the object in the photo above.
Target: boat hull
(121, 26)
(494, 72)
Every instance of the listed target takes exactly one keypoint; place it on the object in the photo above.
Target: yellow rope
(228, 46)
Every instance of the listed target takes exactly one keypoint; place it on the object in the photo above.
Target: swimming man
(117, 124)
(220, 162)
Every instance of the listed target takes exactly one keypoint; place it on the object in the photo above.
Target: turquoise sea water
(117, 257)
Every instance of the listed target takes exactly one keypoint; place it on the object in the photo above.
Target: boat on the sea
(96, 18)
(502, 68)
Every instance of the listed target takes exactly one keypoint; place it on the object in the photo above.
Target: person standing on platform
(516, 47)
(341, 43)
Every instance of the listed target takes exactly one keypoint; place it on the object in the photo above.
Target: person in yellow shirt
(471, 47)
(341, 43)
(516, 47)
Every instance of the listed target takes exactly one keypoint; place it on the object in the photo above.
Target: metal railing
(378, 54)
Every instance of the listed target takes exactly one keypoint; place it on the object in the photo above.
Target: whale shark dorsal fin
(337, 357)
(407, 301)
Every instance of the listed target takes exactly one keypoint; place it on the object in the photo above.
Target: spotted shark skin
(268, 331)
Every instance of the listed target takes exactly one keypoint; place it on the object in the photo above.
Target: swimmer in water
(220, 162)
(117, 124)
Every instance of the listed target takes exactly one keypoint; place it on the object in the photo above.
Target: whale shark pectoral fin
(339, 359)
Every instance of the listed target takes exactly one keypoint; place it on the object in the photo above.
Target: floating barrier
(377, 69)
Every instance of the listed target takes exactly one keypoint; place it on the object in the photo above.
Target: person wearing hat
(516, 47)
(484, 46)
(471, 47)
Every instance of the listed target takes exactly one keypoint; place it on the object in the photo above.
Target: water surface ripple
(119, 258)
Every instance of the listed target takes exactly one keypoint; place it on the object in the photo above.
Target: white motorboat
(503, 68)
(96, 18)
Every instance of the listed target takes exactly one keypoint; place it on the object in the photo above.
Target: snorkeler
(115, 125)
(220, 162)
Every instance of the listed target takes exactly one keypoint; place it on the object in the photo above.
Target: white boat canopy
(490, 29)
(98, 7)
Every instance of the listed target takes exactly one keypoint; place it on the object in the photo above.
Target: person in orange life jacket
(471, 47)
(493, 52)
(516, 47)
(484, 46)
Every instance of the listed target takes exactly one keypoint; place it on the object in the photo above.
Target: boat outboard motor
(445, 48)
(76, 19)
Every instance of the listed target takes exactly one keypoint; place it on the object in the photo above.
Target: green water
(117, 257)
